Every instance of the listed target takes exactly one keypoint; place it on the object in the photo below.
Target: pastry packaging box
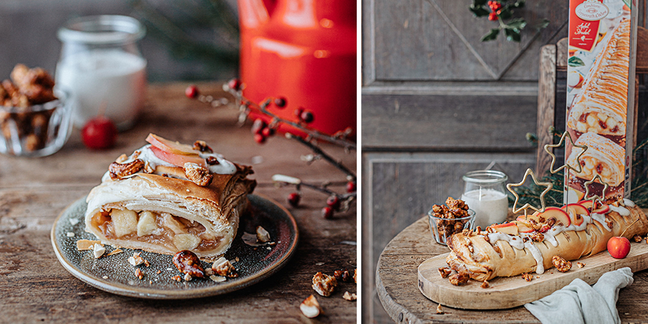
(601, 95)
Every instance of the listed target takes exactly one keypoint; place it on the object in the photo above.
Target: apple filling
(175, 233)
(592, 167)
(595, 122)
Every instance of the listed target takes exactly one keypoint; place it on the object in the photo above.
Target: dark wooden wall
(436, 103)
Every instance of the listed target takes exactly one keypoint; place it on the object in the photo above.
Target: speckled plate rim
(222, 288)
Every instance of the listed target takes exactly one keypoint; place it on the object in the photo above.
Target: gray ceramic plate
(115, 275)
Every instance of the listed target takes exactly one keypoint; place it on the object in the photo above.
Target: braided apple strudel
(168, 197)
(529, 244)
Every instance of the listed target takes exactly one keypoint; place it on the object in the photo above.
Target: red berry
(191, 92)
(333, 202)
(351, 186)
(258, 126)
(492, 16)
(259, 138)
(267, 132)
(234, 84)
(293, 199)
(99, 133)
(307, 116)
(298, 112)
(327, 212)
(280, 102)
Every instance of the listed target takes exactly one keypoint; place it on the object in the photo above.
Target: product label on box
(597, 96)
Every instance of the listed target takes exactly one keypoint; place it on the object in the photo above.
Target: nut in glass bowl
(36, 130)
(442, 228)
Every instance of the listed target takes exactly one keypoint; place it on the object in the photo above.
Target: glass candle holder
(485, 194)
(103, 69)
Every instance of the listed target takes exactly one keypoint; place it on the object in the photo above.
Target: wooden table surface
(34, 287)
(397, 278)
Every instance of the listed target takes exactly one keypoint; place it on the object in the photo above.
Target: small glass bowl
(37, 130)
(442, 228)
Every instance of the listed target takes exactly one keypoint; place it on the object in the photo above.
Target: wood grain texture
(35, 287)
(546, 105)
(396, 284)
(510, 292)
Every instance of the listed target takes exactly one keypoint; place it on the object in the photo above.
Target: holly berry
(280, 102)
(327, 212)
(267, 132)
(307, 116)
(494, 5)
(191, 92)
(234, 84)
(99, 133)
(333, 202)
(293, 199)
(351, 186)
(259, 138)
(618, 246)
(492, 16)
(258, 126)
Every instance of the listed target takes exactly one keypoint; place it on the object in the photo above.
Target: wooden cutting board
(515, 291)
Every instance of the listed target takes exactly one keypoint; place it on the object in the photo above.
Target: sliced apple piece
(186, 241)
(124, 221)
(586, 203)
(604, 209)
(524, 227)
(146, 224)
(576, 213)
(558, 214)
(178, 159)
(506, 228)
(574, 195)
(169, 146)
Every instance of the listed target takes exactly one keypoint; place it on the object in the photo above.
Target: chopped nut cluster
(136, 259)
(580, 264)
(537, 237)
(324, 284)
(459, 278)
(485, 284)
(120, 170)
(637, 238)
(439, 310)
(454, 209)
(223, 267)
(139, 274)
(527, 276)
(202, 147)
(561, 264)
(187, 262)
(445, 272)
(198, 174)
(310, 307)
(349, 297)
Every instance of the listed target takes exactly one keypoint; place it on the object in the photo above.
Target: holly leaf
(479, 3)
(512, 34)
(505, 13)
(543, 24)
(478, 11)
(491, 35)
(517, 24)
(575, 62)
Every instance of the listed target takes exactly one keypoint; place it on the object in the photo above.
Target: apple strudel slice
(529, 244)
(600, 107)
(168, 197)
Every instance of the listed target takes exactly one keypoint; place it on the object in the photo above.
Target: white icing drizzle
(515, 241)
(621, 210)
(536, 255)
(146, 155)
(628, 202)
(601, 219)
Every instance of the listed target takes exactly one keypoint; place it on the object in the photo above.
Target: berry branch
(502, 11)
(335, 201)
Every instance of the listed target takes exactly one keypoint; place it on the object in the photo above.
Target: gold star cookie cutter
(566, 165)
(526, 206)
(594, 198)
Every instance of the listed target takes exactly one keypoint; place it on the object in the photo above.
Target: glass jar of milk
(484, 193)
(103, 69)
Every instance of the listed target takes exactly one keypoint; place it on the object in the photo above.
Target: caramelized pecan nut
(120, 170)
(197, 174)
(187, 262)
(561, 264)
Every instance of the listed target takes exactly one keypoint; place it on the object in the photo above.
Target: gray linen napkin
(579, 302)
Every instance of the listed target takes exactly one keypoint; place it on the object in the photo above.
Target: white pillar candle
(490, 206)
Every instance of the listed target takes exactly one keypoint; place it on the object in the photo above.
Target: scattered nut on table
(561, 264)
(439, 310)
(527, 276)
(223, 267)
(349, 296)
(310, 307)
(324, 284)
(136, 259)
(580, 264)
(262, 235)
(187, 262)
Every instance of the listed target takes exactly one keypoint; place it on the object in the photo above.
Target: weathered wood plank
(546, 105)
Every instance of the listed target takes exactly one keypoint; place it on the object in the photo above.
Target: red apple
(99, 133)
(618, 247)
(178, 159)
(169, 146)
(506, 228)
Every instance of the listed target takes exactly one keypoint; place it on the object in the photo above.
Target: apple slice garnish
(506, 228)
(586, 203)
(576, 212)
(561, 217)
(178, 159)
(524, 226)
(169, 146)
(604, 209)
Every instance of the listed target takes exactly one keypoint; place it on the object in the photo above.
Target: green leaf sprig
(502, 11)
